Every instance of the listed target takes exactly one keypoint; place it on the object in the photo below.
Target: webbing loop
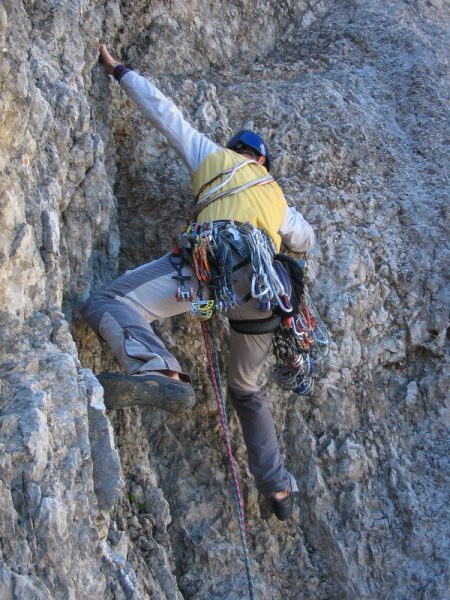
(231, 192)
(230, 172)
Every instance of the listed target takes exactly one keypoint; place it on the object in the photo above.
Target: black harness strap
(256, 326)
(241, 264)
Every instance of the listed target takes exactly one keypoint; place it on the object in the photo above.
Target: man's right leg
(121, 315)
(247, 355)
(246, 358)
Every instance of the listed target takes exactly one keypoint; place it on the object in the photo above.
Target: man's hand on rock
(106, 60)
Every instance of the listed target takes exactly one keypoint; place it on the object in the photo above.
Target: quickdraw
(203, 309)
(266, 285)
(182, 293)
(295, 341)
(207, 247)
(200, 260)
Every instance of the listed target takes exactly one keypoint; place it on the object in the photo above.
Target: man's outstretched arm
(190, 144)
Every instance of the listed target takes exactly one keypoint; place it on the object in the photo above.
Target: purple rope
(226, 436)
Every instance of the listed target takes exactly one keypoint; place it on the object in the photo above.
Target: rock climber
(122, 312)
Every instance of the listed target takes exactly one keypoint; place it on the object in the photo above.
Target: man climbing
(232, 186)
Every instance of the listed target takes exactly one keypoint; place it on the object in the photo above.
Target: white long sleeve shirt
(193, 146)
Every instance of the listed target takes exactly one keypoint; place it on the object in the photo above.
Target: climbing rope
(214, 371)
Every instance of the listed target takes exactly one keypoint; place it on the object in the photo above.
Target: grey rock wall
(353, 99)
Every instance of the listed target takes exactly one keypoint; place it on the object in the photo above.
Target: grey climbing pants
(122, 314)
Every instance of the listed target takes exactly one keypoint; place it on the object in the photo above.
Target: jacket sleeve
(190, 144)
(296, 232)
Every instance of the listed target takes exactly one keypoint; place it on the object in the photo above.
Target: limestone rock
(353, 101)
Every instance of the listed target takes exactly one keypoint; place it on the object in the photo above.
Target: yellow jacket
(262, 205)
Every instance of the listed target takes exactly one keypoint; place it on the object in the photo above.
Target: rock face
(353, 100)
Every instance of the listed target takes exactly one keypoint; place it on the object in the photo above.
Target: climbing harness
(209, 247)
(276, 285)
(214, 371)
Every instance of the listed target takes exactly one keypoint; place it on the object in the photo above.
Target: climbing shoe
(284, 507)
(148, 389)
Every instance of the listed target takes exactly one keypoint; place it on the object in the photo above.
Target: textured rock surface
(353, 99)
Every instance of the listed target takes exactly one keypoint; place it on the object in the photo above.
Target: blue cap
(253, 141)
